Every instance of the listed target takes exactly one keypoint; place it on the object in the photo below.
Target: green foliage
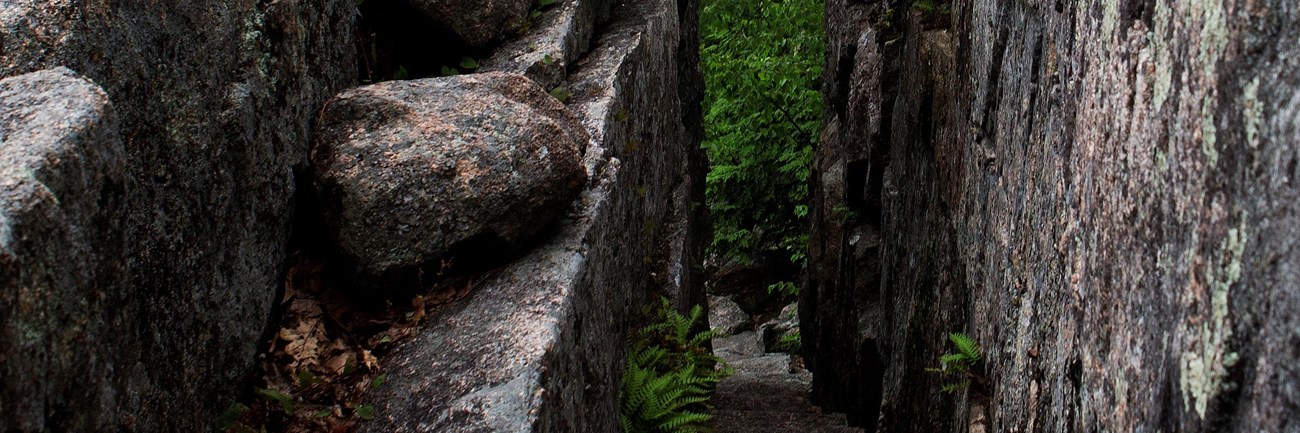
(784, 287)
(670, 375)
(285, 400)
(468, 63)
(561, 94)
(232, 414)
(365, 412)
(960, 367)
(790, 343)
(762, 62)
(933, 7)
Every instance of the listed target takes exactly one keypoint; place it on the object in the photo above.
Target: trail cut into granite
(767, 392)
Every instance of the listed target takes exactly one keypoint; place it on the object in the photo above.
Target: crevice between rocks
(396, 41)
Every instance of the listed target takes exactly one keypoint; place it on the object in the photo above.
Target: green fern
(669, 376)
(961, 366)
(966, 346)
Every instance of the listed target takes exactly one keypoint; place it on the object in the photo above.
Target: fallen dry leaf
(370, 361)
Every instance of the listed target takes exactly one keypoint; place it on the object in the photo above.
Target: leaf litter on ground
(319, 365)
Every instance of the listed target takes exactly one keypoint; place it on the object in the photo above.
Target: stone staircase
(766, 394)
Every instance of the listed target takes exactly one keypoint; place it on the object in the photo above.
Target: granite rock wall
(210, 105)
(1100, 193)
(156, 152)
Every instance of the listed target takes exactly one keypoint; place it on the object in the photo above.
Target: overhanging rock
(538, 344)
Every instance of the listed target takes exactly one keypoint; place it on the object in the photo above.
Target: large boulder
(726, 316)
(406, 170)
(61, 193)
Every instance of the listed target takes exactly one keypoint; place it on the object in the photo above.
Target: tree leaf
(285, 400)
(232, 414)
(365, 412)
(562, 94)
(306, 378)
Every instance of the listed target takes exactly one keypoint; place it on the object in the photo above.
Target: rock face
(563, 34)
(783, 327)
(406, 170)
(538, 345)
(725, 315)
(214, 102)
(62, 185)
(1102, 194)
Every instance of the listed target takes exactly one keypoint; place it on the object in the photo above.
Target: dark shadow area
(395, 41)
(872, 392)
(748, 286)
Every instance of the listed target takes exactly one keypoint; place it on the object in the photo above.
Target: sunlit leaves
(762, 62)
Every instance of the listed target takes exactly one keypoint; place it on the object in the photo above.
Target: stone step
(761, 421)
(760, 395)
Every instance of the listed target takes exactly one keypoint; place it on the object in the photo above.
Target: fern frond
(965, 345)
(669, 376)
(954, 387)
(955, 362)
(680, 421)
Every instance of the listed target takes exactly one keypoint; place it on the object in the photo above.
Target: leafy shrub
(788, 288)
(670, 375)
(762, 62)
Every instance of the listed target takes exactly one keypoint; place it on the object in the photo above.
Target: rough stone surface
(406, 170)
(563, 34)
(765, 395)
(1100, 193)
(784, 325)
(62, 185)
(743, 345)
(215, 101)
(538, 345)
(725, 315)
(480, 23)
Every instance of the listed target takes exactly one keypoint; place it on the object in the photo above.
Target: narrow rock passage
(766, 394)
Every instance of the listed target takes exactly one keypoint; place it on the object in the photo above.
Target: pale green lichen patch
(1213, 42)
(1109, 13)
(1209, 133)
(1252, 112)
(253, 42)
(1163, 80)
(1214, 33)
(1205, 359)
